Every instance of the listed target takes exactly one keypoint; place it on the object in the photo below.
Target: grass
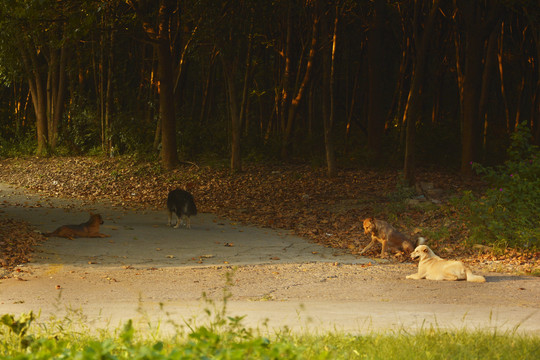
(224, 337)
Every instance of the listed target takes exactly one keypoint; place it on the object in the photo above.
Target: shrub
(507, 213)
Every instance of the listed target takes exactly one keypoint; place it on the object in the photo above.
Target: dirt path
(148, 271)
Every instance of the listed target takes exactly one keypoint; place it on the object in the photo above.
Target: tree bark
(328, 115)
(60, 97)
(160, 37)
(470, 135)
(169, 155)
(489, 70)
(478, 24)
(413, 111)
(229, 71)
(295, 102)
(38, 91)
(376, 74)
(109, 96)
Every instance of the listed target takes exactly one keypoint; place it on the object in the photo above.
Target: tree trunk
(39, 95)
(329, 80)
(282, 100)
(229, 70)
(160, 38)
(169, 155)
(52, 86)
(471, 131)
(109, 95)
(489, 69)
(413, 111)
(295, 102)
(478, 29)
(376, 74)
(60, 96)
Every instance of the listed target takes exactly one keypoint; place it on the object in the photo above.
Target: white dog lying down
(433, 267)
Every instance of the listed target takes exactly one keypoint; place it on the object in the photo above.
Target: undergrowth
(507, 213)
(225, 337)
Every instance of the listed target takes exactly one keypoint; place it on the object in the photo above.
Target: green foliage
(403, 190)
(226, 338)
(83, 130)
(19, 328)
(507, 213)
(19, 146)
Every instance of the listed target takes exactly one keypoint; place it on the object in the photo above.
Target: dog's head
(422, 252)
(96, 218)
(407, 247)
(369, 225)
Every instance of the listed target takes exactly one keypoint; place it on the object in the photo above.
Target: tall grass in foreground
(226, 338)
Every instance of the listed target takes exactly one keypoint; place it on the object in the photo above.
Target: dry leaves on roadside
(300, 199)
(17, 242)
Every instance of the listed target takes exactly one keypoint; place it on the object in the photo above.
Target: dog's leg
(177, 221)
(416, 276)
(442, 277)
(373, 240)
(98, 235)
(188, 222)
(474, 278)
(184, 220)
(383, 250)
(169, 214)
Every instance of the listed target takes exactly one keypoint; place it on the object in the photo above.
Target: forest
(333, 83)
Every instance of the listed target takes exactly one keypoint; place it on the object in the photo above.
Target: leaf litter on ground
(300, 199)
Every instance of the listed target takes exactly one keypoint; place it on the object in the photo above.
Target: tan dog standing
(389, 237)
(87, 229)
(433, 267)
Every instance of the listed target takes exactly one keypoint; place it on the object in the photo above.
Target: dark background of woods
(334, 83)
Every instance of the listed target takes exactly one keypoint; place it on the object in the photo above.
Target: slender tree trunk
(52, 86)
(229, 71)
(413, 112)
(60, 96)
(101, 87)
(376, 74)
(295, 102)
(38, 91)
(169, 155)
(471, 131)
(207, 88)
(160, 36)
(282, 100)
(109, 95)
(329, 84)
(489, 69)
(477, 31)
(244, 104)
(501, 76)
(535, 103)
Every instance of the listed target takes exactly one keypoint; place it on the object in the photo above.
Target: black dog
(181, 203)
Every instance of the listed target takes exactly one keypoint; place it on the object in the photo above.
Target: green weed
(225, 338)
(507, 213)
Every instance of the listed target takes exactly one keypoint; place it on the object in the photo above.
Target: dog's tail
(474, 278)
(421, 241)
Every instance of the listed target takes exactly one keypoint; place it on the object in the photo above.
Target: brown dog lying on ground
(87, 229)
(389, 237)
(433, 267)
